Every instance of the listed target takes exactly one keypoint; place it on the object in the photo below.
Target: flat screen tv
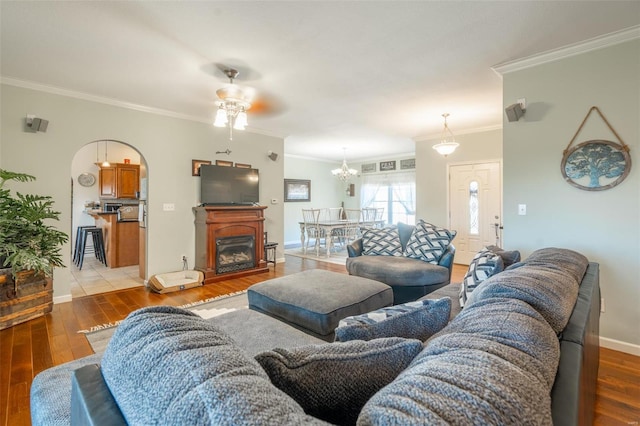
(220, 185)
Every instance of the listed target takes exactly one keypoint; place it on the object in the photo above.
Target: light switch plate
(522, 209)
(168, 207)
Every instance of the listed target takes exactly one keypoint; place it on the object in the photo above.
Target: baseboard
(617, 345)
(62, 299)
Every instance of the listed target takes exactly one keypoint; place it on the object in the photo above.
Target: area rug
(98, 336)
(339, 257)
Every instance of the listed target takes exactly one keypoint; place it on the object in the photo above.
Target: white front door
(475, 207)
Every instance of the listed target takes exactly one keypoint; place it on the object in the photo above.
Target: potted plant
(29, 250)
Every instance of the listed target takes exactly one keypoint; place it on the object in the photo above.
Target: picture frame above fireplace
(297, 190)
(195, 166)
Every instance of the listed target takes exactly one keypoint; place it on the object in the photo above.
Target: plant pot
(33, 298)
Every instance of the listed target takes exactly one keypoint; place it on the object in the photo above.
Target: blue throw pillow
(484, 264)
(428, 242)
(381, 242)
(333, 381)
(414, 320)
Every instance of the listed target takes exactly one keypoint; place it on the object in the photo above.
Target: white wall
(168, 145)
(431, 170)
(603, 225)
(326, 191)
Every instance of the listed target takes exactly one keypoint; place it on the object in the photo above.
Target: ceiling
(368, 76)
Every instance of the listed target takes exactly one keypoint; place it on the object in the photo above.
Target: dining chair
(352, 226)
(311, 218)
(379, 217)
(369, 215)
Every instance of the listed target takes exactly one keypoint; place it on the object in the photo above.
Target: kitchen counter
(120, 238)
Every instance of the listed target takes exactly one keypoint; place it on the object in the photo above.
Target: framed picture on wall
(195, 166)
(387, 165)
(224, 163)
(297, 190)
(243, 166)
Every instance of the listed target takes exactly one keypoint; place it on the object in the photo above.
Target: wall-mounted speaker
(36, 124)
(514, 112)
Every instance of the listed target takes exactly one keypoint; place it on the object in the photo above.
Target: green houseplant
(29, 250)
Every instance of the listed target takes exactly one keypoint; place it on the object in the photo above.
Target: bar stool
(270, 251)
(79, 237)
(98, 245)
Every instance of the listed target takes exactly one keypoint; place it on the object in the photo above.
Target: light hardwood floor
(28, 348)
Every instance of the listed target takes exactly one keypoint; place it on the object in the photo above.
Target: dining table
(329, 226)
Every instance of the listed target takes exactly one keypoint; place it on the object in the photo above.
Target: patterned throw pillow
(381, 242)
(484, 264)
(414, 320)
(333, 381)
(428, 242)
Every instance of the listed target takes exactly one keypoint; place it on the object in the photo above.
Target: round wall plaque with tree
(596, 165)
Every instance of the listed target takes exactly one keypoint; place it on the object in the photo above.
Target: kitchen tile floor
(96, 278)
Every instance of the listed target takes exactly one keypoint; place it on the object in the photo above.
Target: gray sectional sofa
(524, 350)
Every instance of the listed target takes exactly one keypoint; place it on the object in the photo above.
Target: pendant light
(448, 142)
(106, 163)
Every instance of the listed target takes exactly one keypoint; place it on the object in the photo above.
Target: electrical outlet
(183, 258)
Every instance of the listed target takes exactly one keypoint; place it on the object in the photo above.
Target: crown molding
(579, 48)
(25, 84)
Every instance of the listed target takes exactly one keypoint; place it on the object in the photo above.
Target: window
(473, 208)
(394, 192)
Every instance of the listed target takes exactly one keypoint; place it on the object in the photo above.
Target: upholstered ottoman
(316, 300)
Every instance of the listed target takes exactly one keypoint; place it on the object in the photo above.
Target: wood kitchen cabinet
(120, 180)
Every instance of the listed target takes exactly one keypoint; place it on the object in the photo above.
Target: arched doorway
(89, 196)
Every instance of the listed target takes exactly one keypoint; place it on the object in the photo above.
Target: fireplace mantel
(213, 222)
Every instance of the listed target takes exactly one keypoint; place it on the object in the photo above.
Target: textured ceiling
(368, 76)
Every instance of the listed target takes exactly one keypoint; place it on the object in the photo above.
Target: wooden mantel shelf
(214, 222)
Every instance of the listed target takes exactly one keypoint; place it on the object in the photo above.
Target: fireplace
(234, 253)
(229, 241)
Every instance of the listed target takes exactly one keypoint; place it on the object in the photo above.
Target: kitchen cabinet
(120, 181)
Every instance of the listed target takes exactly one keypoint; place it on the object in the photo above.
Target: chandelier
(344, 173)
(448, 142)
(233, 105)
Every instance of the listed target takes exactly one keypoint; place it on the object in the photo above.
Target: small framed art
(195, 166)
(243, 166)
(224, 163)
(297, 190)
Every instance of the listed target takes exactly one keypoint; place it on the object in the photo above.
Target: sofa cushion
(493, 364)
(166, 365)
(428, 242)
(484, 264)
(548, 281)
(414, 320)
(333, 381)
(397, 271)
(381, 242)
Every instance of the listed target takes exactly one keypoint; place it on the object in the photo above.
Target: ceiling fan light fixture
(221, 117)
(241, 120)
(448, 142)
(233, 106)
